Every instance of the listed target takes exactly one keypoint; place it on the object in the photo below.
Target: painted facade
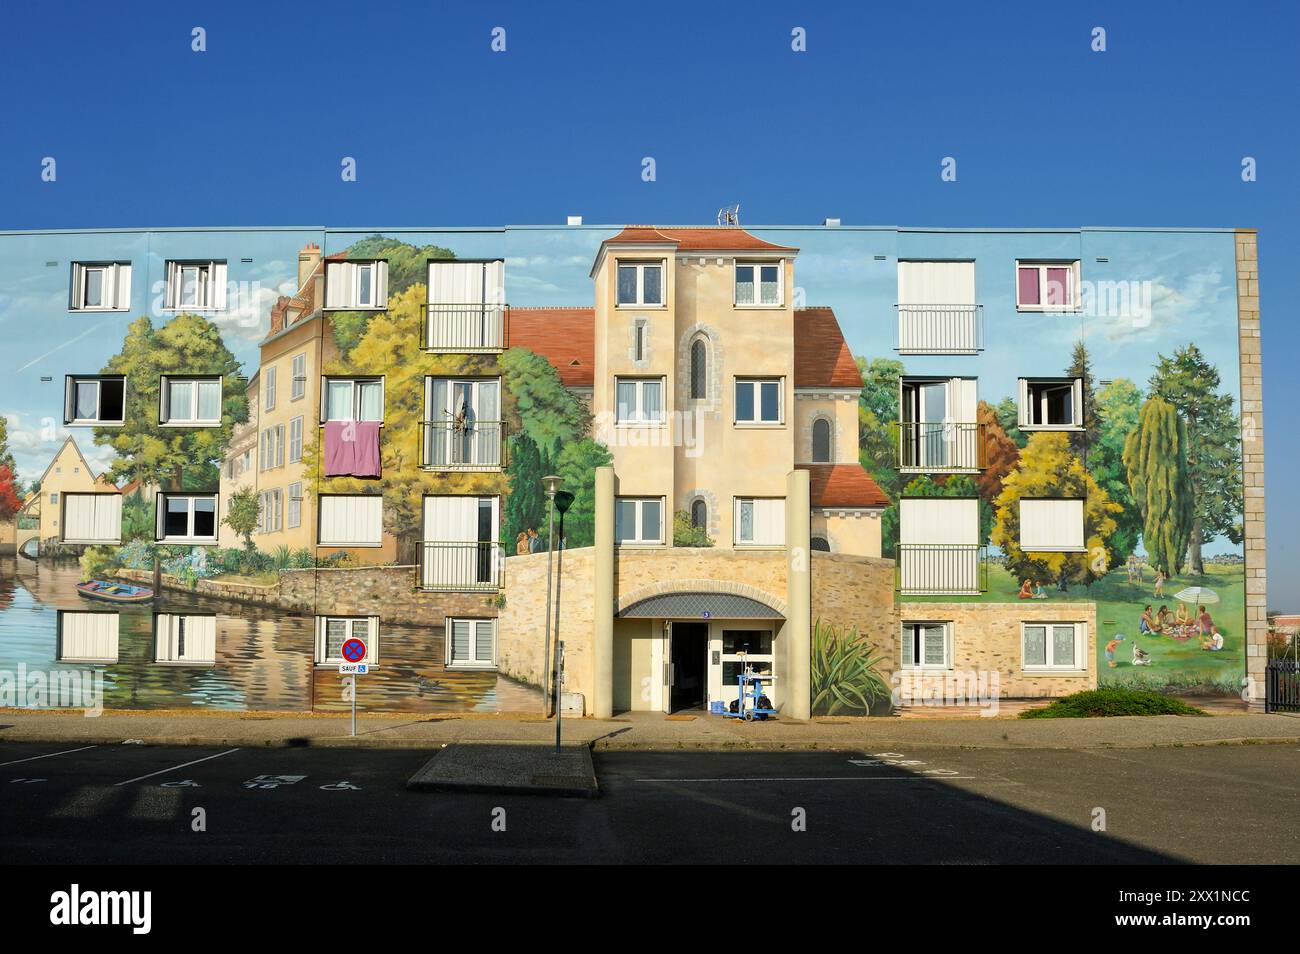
(865, 460)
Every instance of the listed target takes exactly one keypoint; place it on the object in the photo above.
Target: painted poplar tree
(1156, 464)
(1120, 403)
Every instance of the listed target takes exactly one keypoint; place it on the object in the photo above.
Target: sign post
(354, 651)
(559, 691)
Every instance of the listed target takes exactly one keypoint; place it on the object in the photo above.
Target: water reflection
(264, 657)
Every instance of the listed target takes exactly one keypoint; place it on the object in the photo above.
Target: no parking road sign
(354, 650)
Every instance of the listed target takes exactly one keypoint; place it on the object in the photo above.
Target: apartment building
(933, 447)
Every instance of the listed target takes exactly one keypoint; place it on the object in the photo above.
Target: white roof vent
(830, 222)
(575, 220)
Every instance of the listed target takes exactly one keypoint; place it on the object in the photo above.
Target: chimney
(308, 259)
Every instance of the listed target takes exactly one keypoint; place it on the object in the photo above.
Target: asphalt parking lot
(131, 803)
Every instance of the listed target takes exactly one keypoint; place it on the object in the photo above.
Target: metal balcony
(460, 566)
(940, 329)
(462, 445)
(941, 569)
(464, 328)
(944, 447)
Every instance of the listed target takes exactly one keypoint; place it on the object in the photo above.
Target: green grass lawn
(1174, 664)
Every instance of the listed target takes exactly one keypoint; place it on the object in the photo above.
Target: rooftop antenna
(729, 214)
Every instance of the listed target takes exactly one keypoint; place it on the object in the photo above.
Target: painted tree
(543, 408)
(243, 513)
(1155, 461)
(1008, 415)
(177, 458)
(1190, 383)
(525, 508)
(880, 386)
(1001, 453)
(577, 464)
(391, 347)
(9, 499)
(877, 422)
(1048, 469)
(6, 456)
(407, 265)
(1120, 403)
(1081, 367)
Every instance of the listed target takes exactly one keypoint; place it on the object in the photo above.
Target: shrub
(99, 563)
(1112, 701)
(684, 535)
(845, 678)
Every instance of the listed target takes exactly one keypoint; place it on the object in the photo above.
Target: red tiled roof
(566, 337)
(696, 238)
(821, 355)
(842, 485)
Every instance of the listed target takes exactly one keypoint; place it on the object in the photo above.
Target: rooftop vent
(830, 222)
(575, 220)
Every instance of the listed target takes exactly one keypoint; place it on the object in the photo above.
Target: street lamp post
(552, 484)
(563, 501)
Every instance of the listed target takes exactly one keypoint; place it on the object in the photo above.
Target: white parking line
(175, 767)
(822, 777)
(49, 755)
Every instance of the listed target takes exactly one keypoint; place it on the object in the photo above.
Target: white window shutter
(335, 284)
(1077, 404)
(160, 508)
(108, 294)
(69, 400)
(1026, 416)
(218, 286)
(88, 636)
(74, 291)
(173, 284)
(1051, 525)
(381, 284)
(909, 644)
(123, 286)
(372, 641)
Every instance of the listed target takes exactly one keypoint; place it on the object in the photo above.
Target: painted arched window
(821, 441)
(699, 370)
(699, 514)
(821, 544)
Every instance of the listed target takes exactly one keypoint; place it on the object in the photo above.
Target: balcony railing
(460, 566)
(941, 569)
(464, 328)
(940, 329)
(940, 447)
(462, 445)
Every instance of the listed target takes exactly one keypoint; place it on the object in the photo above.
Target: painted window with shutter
(188, 639)
(1051, 404)
(333, 631)
(100, 286)
(298, 372)
(1051, 524)
(92, 518)
(196, 286)
(94, 399)
(759, 522)
(351, 520)
(471, 643)
(1047, 286)
(466, 306)
(352, 399)
(87, 637)
(186, 518)
(926, 645)
(190, 401)
(356, 285)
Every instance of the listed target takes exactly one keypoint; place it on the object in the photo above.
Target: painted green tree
(1120, 403)
(243, 513)
(176, 458)
(407, 265)
(1048, 469)
(6, 456)
(1008, 415)
(1156, 464)
(525, 507)
(877, 422)
(577, 464)
(1093, 417)
(543, 408)
(1191, 384)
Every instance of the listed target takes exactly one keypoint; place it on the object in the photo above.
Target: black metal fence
(1282, 686)
(941, 569)
(458, 566)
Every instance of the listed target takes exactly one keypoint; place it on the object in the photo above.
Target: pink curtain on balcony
(352, 449)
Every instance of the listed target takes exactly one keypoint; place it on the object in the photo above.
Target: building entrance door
(688, 670)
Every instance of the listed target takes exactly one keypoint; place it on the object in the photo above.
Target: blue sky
(445, 132)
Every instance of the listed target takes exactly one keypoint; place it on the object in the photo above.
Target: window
(640, 283)
(1051, 404)
(760, 521)
(699, 370)
(638, 340)
(87, 637)
(94, 400)
(639, 520)
(272, 449)
(819, 544)
(1051, 524)
(939, 545)
(938, 430)
(741, 648)
(268, 401)
(100, 286)
(1047, 286)
(759, 400)
(639, 400)
(471, 643)
(187, 518)
(927, 646)
(351, 520)
(295, 440)
(294, 517)
(333, 631)
(821, 441)
(196, 286)
(353, 399)
(466, 309)
(462, 423)
(92, 518)
(758, 284)
(1058, 646)
(699, 514)
(937, 313)
(460, 549)
(298, 373)
(185, 639)
(270, 512)
(191, 402)
(356, 284)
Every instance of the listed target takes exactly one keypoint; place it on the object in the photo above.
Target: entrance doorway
(689, 673)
